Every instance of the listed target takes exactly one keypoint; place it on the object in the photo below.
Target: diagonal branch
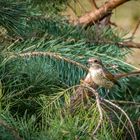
(98, 14)
(50, 55)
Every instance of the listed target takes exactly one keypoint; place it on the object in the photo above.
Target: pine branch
(51, 55)
(68, 71)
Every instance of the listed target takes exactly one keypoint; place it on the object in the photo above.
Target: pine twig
(98, 106)
(50, 55)
(131, 124)
(109, 108)
(125, 102)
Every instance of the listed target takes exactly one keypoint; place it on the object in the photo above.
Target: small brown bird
(99, 75)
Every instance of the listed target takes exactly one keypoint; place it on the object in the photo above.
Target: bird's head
(94, 62)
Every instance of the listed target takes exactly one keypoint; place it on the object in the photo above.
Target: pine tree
(42, 60)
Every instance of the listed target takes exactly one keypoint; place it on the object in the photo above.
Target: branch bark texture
(98, 14)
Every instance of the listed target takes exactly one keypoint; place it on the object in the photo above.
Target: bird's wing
(109, 75)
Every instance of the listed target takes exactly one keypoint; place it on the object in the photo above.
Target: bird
(100, 76)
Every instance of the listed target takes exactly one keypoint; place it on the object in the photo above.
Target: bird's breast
(99, 78)
(96, 74)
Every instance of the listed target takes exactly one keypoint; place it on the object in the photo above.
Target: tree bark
(97, 15)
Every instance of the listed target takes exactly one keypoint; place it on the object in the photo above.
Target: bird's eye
(95, 61)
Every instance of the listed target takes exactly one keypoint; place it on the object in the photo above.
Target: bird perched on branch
(100, 76)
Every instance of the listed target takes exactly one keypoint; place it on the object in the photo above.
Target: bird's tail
(118, 76)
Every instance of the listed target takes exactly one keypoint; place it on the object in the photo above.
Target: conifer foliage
(43, 57)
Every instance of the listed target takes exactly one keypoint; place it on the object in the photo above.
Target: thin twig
(135, 29)
(113, 23)
(117, 117)
(125, 102)
(101, 115)
(94, 5)
(82, 96)
(99, 108)
(131, 124)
